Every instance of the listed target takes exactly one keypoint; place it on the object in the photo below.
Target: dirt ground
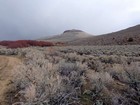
(7, 65)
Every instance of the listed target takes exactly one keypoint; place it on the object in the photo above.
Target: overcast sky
(30, 19)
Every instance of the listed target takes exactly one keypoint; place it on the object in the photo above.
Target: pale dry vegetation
(90, 75)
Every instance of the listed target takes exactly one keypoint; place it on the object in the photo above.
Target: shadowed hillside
(127, 36)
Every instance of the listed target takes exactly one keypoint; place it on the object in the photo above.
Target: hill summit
(73, 30)
(68, 36)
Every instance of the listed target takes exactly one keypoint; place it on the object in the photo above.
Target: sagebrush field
(72, 75)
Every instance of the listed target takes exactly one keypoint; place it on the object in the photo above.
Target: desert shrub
(117, 99)
(65, 68)
(94, 64)
(36, 85)
(130, 76)
(130, 39)
(73, 79)
(96, 94)
(5, 51)
(17, 45)
(104, 77)
(71, 57)
(25, 43)
(130, 73)
(86, 52)
(72, 75)
(59, 43)
(133, 71)
(116, 72)
(92, 96)
(127, 98)
(5, 43)
(133, 74)
(38, 81)
(111, 59)
(52, 77)
(97, 88)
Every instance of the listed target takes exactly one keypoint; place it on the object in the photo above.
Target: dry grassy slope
(7, 64)
(68, 36)
(115, 38)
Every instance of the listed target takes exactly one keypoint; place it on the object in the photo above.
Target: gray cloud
(31, 19)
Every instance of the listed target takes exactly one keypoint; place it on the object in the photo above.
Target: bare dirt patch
(7, 64)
